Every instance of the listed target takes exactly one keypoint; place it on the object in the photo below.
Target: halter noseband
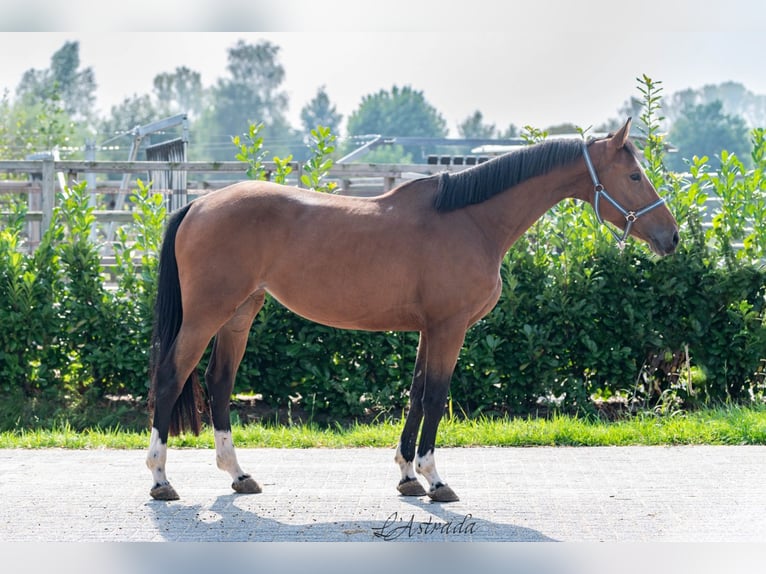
(630, 216)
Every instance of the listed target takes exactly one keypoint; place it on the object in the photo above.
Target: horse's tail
(168, 315)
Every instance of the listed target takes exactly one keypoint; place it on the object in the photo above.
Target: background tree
(512, 131)
(115, 129)
(179, 92)
(250, 93)
(704, 130)
(566, 128)
(75, 88)
(12, 146)
(474, 127)
(5, 127)
(29, 126)
(398, 112)
(53, 108)
(320, 112)
(736, 100)
(630, 109)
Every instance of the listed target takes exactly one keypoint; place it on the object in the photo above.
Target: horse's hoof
(411, 487)
(443, 493)
(164, 492)
(246, 485)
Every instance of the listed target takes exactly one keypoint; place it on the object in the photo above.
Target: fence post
(48, 194)
(33, 204)
(90, 178)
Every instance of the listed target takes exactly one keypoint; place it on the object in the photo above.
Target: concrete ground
(612, 494)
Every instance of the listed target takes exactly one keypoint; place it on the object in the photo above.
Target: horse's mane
(479, 183)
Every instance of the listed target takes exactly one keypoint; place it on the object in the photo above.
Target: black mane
(479, 183)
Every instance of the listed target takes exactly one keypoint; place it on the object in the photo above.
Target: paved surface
(692, 494)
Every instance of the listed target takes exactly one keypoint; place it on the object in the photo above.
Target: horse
(423, 257)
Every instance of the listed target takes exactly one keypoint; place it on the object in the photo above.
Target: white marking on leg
(156, 457)
(407, 468)
(225, 457)
(427, 467)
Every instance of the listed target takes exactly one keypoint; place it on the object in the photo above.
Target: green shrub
(32, 350)
(578, 317)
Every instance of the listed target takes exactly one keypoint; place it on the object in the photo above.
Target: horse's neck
(506, 216)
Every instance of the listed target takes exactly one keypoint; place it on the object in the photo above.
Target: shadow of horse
(192, 527)
(225, 521)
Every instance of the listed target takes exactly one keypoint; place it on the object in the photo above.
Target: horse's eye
(635, 176)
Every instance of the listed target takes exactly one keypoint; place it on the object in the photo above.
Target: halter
(630, 216)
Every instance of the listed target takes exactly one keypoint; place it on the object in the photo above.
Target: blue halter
(600, 191)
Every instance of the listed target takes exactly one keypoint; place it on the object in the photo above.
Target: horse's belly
(350, 308)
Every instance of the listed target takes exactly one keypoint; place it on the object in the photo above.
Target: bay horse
(423, 257)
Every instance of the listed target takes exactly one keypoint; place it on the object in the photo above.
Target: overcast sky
(539, 62)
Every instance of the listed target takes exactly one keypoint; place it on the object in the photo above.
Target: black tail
(168, 314)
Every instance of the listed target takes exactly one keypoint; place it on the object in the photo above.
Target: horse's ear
(619, 139)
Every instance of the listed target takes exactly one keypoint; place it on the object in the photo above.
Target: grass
(719, 426)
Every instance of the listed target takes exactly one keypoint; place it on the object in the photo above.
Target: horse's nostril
(676, 239)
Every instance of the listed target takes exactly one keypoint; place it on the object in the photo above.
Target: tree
(74, 87)
(562, 129)
(179, 92)
(131, 112)
(6, 127)
(474, 127)
(736, 100)
(704, 130)
(250, 94)
(53, 106)
(320, 112)
(512, 131)
(399, 112)
(28, 126)
(631, 108)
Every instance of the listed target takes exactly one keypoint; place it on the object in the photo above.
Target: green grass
(720, 426)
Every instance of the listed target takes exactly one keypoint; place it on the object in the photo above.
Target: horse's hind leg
(173, 374)
(228, 350)
(405, 453)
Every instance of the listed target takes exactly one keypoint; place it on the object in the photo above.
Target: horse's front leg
(444, 346)
(226, 459)
(405, 452)
(434, 401)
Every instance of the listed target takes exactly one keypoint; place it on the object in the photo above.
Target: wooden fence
(45, 177)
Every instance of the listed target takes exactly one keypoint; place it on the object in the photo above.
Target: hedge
(578, 318)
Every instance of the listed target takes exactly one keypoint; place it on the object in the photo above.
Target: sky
(538, 63)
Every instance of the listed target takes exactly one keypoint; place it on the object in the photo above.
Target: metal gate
(170, 181)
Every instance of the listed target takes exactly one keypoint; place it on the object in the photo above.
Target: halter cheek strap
(600, 191)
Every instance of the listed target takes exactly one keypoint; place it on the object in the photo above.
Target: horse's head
(624, 196)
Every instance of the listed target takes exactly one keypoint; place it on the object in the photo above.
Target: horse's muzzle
(665, 245)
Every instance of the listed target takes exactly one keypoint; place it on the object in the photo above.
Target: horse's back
(362, 263)
(250, 209)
